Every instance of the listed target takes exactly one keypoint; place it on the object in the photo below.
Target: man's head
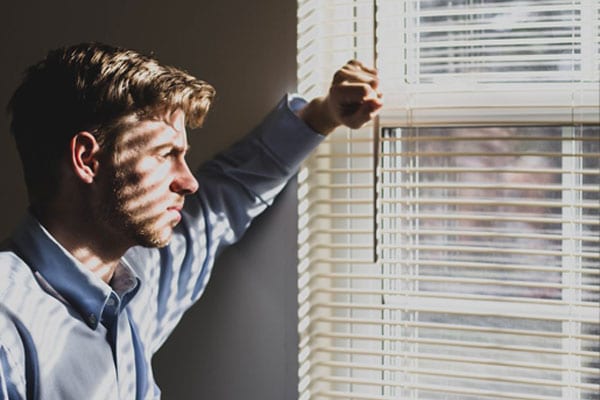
(94, 88)
(101, 135)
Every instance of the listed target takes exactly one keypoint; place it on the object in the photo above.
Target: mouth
(175, 211)
(176, 207)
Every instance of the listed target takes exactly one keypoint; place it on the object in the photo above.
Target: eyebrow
(171, 146)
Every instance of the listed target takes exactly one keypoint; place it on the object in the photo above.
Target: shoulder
(21, 296)
(12, 353)
(22, 301)
(9, 334)
(15, 275)
(18, 287)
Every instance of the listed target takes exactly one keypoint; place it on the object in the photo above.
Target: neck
(94, 249)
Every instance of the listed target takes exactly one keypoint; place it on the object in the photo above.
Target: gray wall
(240, 341)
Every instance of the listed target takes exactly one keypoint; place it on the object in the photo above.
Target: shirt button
(110, 302)
(92, 319)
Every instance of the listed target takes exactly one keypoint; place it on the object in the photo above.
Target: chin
(152, 237)
(159, 240)
(155, 232)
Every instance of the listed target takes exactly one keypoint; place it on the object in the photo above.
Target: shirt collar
(83, 290)
(124, 282)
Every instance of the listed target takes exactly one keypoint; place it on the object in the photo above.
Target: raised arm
(239, 184)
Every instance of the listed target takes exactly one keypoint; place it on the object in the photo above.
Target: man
(107, 260)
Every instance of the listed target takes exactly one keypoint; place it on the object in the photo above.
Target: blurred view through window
(489, 239)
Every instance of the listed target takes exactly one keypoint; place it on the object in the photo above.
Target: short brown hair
(91, 87)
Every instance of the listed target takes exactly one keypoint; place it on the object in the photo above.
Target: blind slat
(445, 326)
(450, 264)
(452, 343)
(438, 295)
(437, 357)
(442, 388)
(583, 316)
(544, 383)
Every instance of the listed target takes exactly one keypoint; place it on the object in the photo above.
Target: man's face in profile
(143, 194)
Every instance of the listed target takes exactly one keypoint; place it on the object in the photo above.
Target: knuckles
(353, 94)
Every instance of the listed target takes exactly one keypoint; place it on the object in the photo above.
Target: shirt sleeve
(240, 183)
(235, 187)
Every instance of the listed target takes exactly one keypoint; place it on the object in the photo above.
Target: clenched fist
(353, 100)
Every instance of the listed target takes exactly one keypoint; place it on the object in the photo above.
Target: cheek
(145, 175)
(145, 188)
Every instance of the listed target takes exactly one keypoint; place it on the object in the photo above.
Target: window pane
(488, 238)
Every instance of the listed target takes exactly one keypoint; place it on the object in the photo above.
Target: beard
(131, 215)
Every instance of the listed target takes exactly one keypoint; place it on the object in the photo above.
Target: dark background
(239, 341)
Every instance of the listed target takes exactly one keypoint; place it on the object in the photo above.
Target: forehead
(166, 129)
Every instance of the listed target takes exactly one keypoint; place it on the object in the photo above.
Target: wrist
(317, 115)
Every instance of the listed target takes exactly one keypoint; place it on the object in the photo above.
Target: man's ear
(84, 149)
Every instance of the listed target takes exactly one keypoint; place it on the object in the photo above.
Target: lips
(176, 211)
(176, 207)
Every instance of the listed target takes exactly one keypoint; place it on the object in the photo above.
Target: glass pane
(489, 242)
(473, 38)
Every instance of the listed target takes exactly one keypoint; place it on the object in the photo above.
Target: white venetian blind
(451, 250)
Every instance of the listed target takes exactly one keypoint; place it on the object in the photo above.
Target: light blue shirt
(66, 334)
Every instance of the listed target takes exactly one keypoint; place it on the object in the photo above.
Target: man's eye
(166, 154)
(172, 153)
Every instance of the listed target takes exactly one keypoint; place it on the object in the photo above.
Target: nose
(184, 183)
